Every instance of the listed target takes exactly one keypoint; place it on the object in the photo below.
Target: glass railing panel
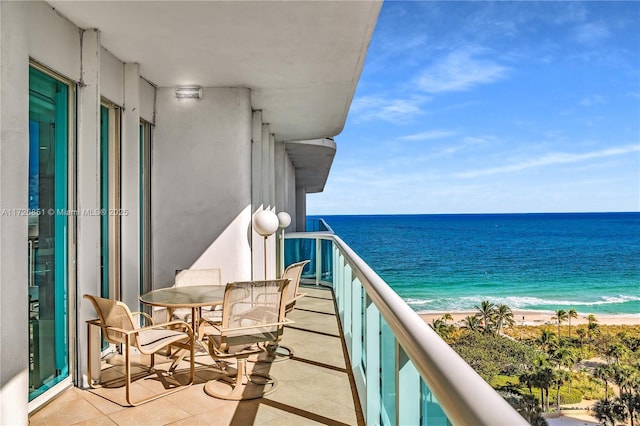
(317, 225)
(326, 269)
(391, 371)
(431, 413)
(388, 374)
(298, 249)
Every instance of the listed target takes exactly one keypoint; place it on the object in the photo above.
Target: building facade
(109, 182)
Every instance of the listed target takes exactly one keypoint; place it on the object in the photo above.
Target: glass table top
(185, 297)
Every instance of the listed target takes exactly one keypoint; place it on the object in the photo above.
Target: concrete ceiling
(302, 59)
(312, 160)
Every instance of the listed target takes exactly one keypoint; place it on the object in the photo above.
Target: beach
(534, 318)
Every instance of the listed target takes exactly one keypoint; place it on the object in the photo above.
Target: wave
(514, 302)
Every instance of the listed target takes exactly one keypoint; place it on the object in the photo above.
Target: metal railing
(405, 373)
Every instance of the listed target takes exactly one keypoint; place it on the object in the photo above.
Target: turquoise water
(589, 262)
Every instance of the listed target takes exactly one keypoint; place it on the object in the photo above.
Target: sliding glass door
(47, 240)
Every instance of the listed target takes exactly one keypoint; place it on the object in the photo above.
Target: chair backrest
(293, 272)
(113, 313)
(256, 307)
(187, 277)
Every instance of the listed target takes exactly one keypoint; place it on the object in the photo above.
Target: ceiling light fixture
(191, 92)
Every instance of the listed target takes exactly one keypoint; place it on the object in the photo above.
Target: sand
(543, 317)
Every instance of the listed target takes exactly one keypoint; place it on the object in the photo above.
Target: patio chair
(293, 272)
(118, 327)
(188, 277)
(252, 317)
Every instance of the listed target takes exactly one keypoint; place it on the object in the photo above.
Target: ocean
(589, 262)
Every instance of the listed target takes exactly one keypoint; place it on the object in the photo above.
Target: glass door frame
(110, 200)
(69, 236)
(146, 129)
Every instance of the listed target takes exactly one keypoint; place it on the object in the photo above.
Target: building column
(130, 178)
(88, 192)
(301, 209)
(14, 172)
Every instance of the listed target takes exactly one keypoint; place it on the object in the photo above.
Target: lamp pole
(266, 223)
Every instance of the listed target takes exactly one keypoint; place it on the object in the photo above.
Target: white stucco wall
(14, 169)
(53, 40)
(111, 77)
(201, 183)
(147, 100)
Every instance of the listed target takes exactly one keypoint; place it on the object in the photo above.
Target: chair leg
(243, 387)
(169, 392)
(279, 353)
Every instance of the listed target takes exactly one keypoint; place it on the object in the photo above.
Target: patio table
(194, 297)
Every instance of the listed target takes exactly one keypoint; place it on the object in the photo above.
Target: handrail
(463, 395)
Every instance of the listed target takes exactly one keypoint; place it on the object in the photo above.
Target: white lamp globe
(284, 219)
(265, 223)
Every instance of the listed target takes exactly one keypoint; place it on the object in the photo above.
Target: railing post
(318, 261)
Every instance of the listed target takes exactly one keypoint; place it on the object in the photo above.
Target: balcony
(361, 356)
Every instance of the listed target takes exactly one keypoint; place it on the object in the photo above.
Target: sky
(493, 107)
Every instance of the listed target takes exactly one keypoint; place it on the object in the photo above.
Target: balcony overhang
(312, 160)
(301, 59)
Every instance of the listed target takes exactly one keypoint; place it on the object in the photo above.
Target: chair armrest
(188, 328)
(296, 297)
(213, 324)
(248, 327)
(145, 315)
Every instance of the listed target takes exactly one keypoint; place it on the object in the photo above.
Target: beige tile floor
(315, 386)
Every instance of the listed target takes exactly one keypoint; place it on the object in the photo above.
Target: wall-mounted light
(192, 92)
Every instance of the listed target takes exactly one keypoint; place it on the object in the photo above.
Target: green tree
(607, 411)
(443, 329)
(571, 313)
(547, 340)
(615, 351)
(486, 312)
(446, 317)
(527, 406)
(582, 333)
(560, 377)
(605, 373)
(560, 317)
(503, 317)
(472, 323)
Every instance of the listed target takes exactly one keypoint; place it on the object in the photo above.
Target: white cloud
(429, 135)
(551, 159)
(396, 111)
(592, 100)
(459, 71)
(591, 33)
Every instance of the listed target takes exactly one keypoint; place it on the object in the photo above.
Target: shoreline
(537, 318)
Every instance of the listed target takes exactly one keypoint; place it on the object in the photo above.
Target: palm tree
(503, 317)
(486, 312)
(616, 351)
(604, 372)
(561, 315)
(563, 357)
(472, 323)
(571, 313)
(441, 327)
(543, 380)
(446, 317)
(546, 340)
(592, 326)
(604, 412)
(560, 377)
(581, 334)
